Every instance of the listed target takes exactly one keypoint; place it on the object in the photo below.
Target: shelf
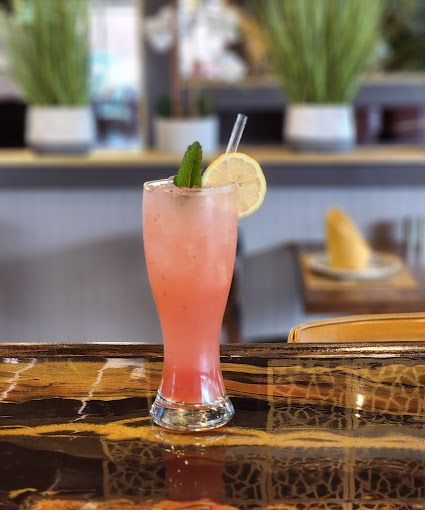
(389, 155)
(380, 89)
(266, 155)
(365, 166)
(389, 79)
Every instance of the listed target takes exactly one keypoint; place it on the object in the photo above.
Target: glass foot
(184, 417)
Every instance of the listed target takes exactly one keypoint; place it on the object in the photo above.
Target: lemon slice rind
(245, 172)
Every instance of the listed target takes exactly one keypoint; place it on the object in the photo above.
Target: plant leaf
(320, 49)
(189, 174)
(49, 47)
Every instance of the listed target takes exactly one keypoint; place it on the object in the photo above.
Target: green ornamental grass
(319, 49)
(49, 49)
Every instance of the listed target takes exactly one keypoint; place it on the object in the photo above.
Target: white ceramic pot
(60, 129)
(320, 127)
(174, 135)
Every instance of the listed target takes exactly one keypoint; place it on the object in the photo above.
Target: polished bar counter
(316, 427)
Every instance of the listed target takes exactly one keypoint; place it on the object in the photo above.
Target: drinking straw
(237, 132)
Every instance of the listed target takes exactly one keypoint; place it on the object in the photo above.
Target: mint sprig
(189, 174)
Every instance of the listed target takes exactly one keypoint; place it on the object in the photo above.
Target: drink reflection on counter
(196, 477)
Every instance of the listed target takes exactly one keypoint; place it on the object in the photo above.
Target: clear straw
(237, 132)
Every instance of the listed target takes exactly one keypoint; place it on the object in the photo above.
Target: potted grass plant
(176, 125)
(319, 51)
(185, 113)
(49, 50)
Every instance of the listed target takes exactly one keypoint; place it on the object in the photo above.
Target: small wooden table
(315, 427)
(325, 295)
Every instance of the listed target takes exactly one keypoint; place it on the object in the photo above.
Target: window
(116, 71)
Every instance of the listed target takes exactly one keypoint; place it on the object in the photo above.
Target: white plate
(381, 265)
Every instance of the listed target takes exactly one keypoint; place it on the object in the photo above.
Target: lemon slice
(245, 172)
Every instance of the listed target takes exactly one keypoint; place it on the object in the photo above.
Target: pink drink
(190, 245)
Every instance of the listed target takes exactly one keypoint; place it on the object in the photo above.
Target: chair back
(397, 327)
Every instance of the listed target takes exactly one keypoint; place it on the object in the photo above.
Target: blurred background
(99, 96)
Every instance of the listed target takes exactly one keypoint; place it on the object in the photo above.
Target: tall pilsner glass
(190, 245)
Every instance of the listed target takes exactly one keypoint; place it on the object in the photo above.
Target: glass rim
(153, 186)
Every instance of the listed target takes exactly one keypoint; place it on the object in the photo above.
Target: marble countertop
(316, 427)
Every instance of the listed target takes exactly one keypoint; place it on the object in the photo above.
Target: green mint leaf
(189, 174)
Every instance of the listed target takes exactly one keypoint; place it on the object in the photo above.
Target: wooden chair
(409, 327)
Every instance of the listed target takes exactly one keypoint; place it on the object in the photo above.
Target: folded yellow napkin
(346, 247)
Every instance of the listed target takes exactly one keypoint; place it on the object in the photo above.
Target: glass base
(183, 417)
